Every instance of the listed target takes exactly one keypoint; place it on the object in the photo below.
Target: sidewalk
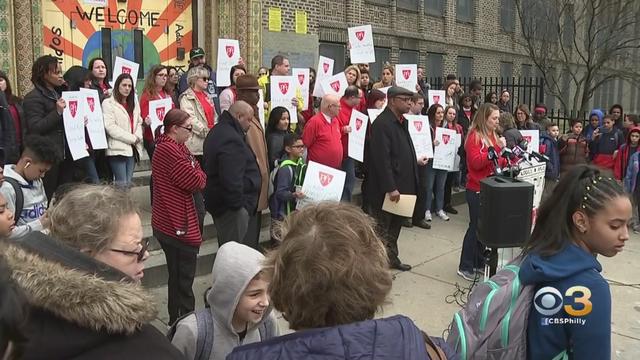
(423, 293)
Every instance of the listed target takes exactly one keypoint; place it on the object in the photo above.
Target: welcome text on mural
(122, 16)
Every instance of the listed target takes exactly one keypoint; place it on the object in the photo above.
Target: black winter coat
(81, 308)
(9, 149)
(233, 176)
(392, 159)
(42, 118)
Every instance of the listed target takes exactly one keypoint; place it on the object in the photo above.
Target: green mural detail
(36, 8)
(5, 48)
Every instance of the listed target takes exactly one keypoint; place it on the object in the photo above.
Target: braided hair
(584, 188)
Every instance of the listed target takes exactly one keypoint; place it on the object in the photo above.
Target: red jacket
(344, 117)
(622, 157)
(144, 111)
(176, 176)
(478, 164)
(322, 140)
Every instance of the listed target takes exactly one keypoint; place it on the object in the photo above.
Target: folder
(404, 207)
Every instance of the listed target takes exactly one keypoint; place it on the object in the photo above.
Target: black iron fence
(564, 118)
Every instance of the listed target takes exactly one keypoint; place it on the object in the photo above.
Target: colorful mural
(75, 31)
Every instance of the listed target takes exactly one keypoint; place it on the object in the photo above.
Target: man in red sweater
(322, 134)
(349, 101)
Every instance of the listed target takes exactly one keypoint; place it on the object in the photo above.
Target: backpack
(493, 323)
(292, 167)
(19, 205)
(204, 342)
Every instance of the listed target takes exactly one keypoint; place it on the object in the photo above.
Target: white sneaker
(427, 215)
(442, 215)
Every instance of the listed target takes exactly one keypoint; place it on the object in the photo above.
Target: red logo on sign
(406, 73)
(325, 66)
(358, 124)
(160, 113)
(92, 103)
(335, 86)
(284, 87)
(436, 99)
(126, 70)
(325, 179)
(230, 50)
(446, 138)
(73, 107)
(301, 78)
(528, 138)
(418, 125)
(360, 35)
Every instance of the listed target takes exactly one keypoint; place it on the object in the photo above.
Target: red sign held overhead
(325, 67)
(406, 73)
(126, 70)
(230, 50)
(360, 35)
(335, 86)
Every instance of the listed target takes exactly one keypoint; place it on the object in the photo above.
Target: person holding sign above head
(388, 77)
(123, 125)
(322, 134)
(43, 108)
(99, 73)
(393, 169)
(481, 139)
(279, 67)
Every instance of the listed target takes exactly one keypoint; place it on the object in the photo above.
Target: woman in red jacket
(153, 90)
(482, 135)
(177, 176)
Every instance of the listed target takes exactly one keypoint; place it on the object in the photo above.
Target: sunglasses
(205, 79)
(139, 254)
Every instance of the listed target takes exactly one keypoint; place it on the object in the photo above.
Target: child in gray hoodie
(240, 306)
(36, 159)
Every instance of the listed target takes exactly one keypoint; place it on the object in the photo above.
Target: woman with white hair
(195, 101)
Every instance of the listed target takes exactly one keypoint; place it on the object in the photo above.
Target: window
(633, 98)
(335, 52)
(435, 68)
(434, 7)
(526, 70)
(407, 4)
(382, 56)
(464, 10)
(465, 67)
(506, 71)
(539, 20)
(508, 15)
(408, 57)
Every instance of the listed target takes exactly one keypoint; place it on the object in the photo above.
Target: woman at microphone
(482, 144)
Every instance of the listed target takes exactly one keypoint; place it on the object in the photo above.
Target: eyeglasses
(205, 79)
(139, 254)
(188, 128)
(161, 75)
(298, 146)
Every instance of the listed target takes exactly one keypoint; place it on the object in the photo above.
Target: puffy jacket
(573, 151)
(588, 130)
(623, 156)
(396, 337)
(631, 176)
(189, 103)
(549, 147)
(117, 123)
(41, 115)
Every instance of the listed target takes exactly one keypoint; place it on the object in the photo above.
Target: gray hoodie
(233, 269)
(35, 203)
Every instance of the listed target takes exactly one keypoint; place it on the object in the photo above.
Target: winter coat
(478, 164)
(233, 175)
(573, 151)
(212, 88)
(392, 159)
(465, 121)
(176, 177)
(9, 148)
(190, 103)
(529, 125)
(549, 147)
(234, 268)
(42, 117)
(504, 107)
(80, 308)
(34, 202)
(631, 177)
(258, 144)
(117, 122)
(289, 175)
(395, 337)
(623, 156)
(588, 130)
(275, 146)
(513, 137)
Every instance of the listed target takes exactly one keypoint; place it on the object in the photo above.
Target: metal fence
(564, 118)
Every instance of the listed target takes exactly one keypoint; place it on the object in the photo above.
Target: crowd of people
(213, 155)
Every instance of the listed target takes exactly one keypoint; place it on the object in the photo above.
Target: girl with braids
(586, 216)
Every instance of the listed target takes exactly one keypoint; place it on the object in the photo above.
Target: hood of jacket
(235, 266)
(567, 263)
(73, 286)
(635, 129)
(599, 114)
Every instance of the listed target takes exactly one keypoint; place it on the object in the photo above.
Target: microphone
(524, 144)
(493, 156)
(518, 151)
(506, 153)
(540, 157)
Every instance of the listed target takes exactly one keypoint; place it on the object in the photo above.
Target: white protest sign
(386, 99)
(373, 114)
(361, 45)
(533, 138)
(283, 90)
(456, 163)
(358, 124)
(157, 110)
(335, 85)
(95, 124)
(325, 70)
(420, 132)
(444, 154)
(124, 66)
(73, 118)
(302, 75)
(407, 76)
(436, 97)
(228, 57)
(261, 107)
(322, 183)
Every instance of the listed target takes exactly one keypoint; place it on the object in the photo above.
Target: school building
(464, 37)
